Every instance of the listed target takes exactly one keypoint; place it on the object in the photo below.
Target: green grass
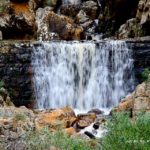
(125, 134)
(19, 117)
(45, 140)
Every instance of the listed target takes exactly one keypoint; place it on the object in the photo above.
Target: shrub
(124, 133)
(146, 74)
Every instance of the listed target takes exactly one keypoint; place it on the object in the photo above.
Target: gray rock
(1, 35)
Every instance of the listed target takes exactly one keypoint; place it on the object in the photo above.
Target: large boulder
(115, 13)
(138, 101)
(18, 20)
(53, 26)
(59, 118)
(138, 26)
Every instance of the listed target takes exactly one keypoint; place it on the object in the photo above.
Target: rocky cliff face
(74, 20)
(16, 69)
(139, 25)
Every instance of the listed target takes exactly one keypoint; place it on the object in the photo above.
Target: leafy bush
(127, 134)
(146, 74)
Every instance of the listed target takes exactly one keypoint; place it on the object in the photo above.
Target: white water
(71, 1)
(82, 75)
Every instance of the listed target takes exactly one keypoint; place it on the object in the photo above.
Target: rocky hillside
(73, 20)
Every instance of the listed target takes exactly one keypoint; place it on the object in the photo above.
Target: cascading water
(71, 1)
(82, 75)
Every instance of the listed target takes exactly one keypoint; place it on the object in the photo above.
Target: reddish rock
(59, 118)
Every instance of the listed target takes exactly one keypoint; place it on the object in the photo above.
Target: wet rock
(90, 135)
(137, 102)
(96, 111)
(63, 27)
(84, 120)
(96, 125)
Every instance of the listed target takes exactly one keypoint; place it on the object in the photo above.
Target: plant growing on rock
(146, 75)
(19, 117)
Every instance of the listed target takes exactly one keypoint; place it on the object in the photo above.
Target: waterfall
(82, 75)
(71, 1)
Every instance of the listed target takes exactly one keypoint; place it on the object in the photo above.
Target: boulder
(70, 10)
(52, 26)
(90, 8)
(138, 26)
(4, 98)
(84, 120)
(18, 20)
(59, 118)
(130, 29)
(115, 13)
(138, 101)
(96, 111)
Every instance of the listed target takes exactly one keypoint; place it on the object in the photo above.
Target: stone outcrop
(138, 26)
(59, 118)
(18, 20)
(53, 26)
(115, 13)
(138, 101)
(17, 123)
(16, 69)
(4, 98)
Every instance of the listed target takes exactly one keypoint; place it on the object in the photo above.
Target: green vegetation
(44, 139)
(146, 75)
(127, 134)
(1, 83)
(123, 133)
(19, 117)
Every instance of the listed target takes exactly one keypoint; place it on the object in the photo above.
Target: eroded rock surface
(138, 101)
